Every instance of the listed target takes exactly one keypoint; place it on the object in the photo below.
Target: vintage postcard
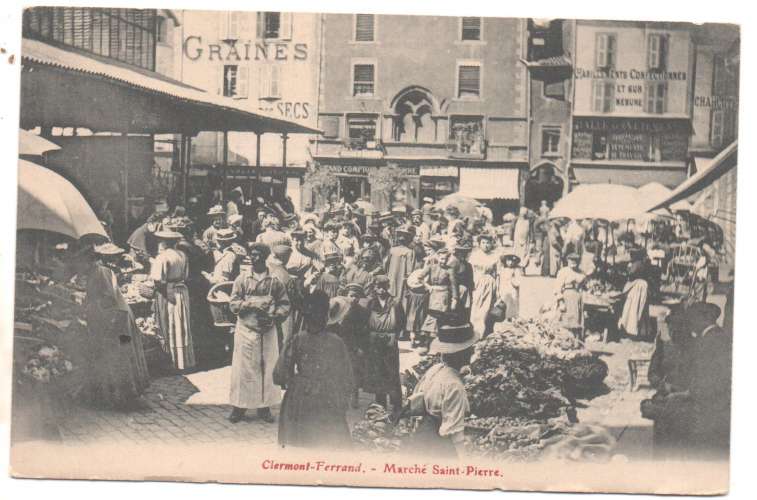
(375, 250)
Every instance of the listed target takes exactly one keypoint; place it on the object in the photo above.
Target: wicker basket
(219, 308)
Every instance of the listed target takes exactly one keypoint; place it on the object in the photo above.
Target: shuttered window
(656, 97)
(269, 82)
(657, 51)
(469, 81)
(716, 128)
(471, 28)
(230, 80)
(603, 96)
(605, 50)
(363, 81)
(364, 27)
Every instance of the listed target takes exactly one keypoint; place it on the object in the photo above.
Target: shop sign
(365, 169)
(728, 102)
(237, 50)
(630, 140)
(633, 74)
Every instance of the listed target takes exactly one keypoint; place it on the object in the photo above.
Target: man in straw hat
(260, 301)
(169, 271)
(217, 217)
(440, 396)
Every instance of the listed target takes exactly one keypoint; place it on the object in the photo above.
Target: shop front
(497, 187)
(272, 183)
(630, 151)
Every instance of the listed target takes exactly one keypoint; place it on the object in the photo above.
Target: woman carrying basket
(260, 301)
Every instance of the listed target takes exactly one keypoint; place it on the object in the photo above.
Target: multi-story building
(268, 62)
(442, 98)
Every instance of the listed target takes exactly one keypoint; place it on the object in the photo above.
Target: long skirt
(634, 318)
(381, 364)
(172, 315)
(417, 305)
(571, 317)
(116, 367)
(482, 300)
(309, 420)
(252, 364)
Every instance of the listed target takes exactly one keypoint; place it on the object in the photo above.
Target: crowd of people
(310, 290)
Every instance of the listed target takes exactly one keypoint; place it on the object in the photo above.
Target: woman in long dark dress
(318, 383)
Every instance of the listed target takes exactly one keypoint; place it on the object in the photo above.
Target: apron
(426, 438)
(252, 363)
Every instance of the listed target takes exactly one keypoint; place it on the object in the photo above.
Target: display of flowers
(47, 363)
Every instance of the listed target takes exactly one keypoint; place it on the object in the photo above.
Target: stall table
(599, 309)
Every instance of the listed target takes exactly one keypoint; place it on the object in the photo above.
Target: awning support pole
(257, 157)
(182, 172)
(126, 181)
(284, 138)
(225, 163)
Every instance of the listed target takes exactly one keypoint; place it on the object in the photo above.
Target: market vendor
(568, 295)
(440, 396)
(260, 301)
(116, 370)
(227, 259)
(443, 298)
(634, 318)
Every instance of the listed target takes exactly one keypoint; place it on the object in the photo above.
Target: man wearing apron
(440, 396)
(260, 302)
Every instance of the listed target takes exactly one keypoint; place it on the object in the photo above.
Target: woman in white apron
(260, 302)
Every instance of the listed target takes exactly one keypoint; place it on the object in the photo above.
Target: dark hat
(332, 257)
(703, 313)
(485, 236)
(381, 281)
(331, 226)
(288, 218)
(406, 230)
(262, 248)
(224, 235)
(369, 237)
(453, 338)
(356, 288)
(416, 212)
(298, 234)
(452, 210)
(510, 260)
(463, 246)
(316, 303)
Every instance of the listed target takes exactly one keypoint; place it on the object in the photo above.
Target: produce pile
(598, 287)
(47, 363)
(148, 326)
(376, 432)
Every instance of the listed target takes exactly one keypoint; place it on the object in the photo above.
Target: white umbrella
(468, 206)
(599, 201)
(32, 144)
(654, 193)
(48, 202)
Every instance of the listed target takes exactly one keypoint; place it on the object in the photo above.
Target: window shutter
(469, 81)
(285, 28)
(609, 96)
(223, 25)
(244, 25)
(364, 27)
(717, 126)
(601, 51)
(243, 82)
(610, 51)
(218, 71)
(471, 28)
(275, 89)
(233, 29)
(599, 96)
(264, 82)
(364, 72)
(260, 26)
(663, 63)
(653, 52)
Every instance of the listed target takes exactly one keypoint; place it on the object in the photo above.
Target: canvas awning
(721, 164)
(68, 88)
(489, 183)
(438, 171)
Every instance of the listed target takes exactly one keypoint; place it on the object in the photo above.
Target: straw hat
(356, 288)
(108, 249)
(234, 218)
(226, 235)
(216, 210)
(168, 234)
(453, 338)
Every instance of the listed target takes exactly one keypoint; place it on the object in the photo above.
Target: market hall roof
(67, 88)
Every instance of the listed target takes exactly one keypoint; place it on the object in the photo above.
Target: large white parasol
(468, 206)
(599, 201)
(48, 202)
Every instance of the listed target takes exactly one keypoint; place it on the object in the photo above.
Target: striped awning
(489, 183)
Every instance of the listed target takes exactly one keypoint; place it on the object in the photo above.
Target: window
(274, 25)
(127, 35)
(361, 130)
(235, 81)
(363, 79)
(471, 29)
(555, 90)
(550, 140)
(716, 127)
(269, 83)
(656, 93)
(466, 134)
(365, 27)
(657, 48)
(468, 81)
(605, 51)
(603, 96)
(599, 145)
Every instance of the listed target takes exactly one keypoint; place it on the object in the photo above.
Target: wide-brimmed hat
(332, 257)
(463, 246)
(381, 281)
(485, 236)
(225, 235)
(260, 247)
(234, 218)
(406, 230)
(399, 209)
(453, 338)
(338, 309)
(415, 281)
(703, 313)
(216, 210)
(417, 212)
(168, 234)
(108, 249)
(510, 260)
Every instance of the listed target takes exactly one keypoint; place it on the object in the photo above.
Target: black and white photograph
(382, 250)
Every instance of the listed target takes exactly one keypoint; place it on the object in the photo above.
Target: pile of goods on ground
(521, 385)
(376, 432)
(47, 363)
(598, 288)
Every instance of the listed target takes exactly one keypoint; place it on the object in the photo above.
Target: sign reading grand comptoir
(195, 48)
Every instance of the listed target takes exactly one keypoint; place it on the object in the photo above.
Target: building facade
(449, 109)
(268, 62)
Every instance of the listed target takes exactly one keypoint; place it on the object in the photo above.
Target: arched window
(414, 108)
